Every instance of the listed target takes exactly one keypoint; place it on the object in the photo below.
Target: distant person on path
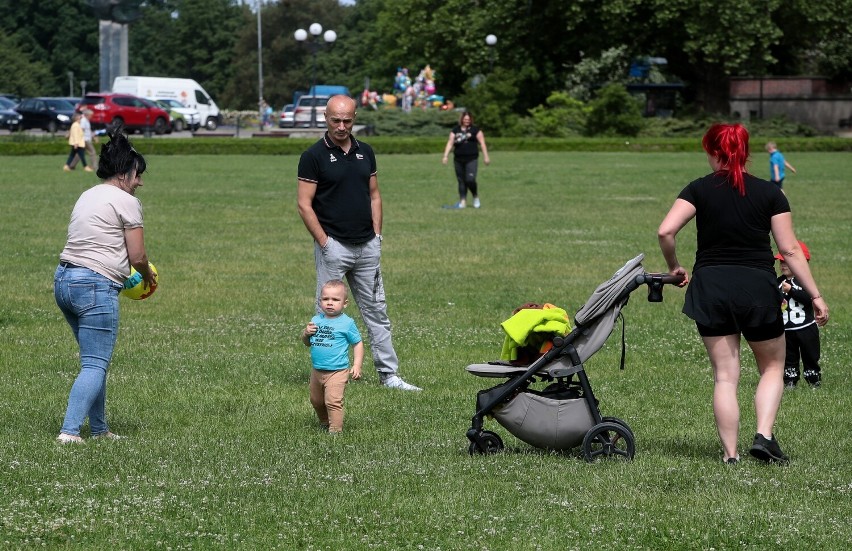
(800, 328)
(105, 238)
(777, 164)
(465, 141)
(734, 290)
(264, 114)
(90, 139)
(330, 334)
(77, 143)
(340, 204)
(267, 115)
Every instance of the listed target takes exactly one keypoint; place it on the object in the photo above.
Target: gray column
(113, 52)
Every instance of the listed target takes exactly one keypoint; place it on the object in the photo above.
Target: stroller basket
(564, 414)
(543, 422)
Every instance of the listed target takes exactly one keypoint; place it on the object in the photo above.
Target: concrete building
(814, 101)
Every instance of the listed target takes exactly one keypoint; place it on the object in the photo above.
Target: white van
(185, 90)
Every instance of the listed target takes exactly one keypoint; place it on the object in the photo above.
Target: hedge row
(389, 145)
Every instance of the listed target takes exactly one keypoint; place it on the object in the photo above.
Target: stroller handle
(668, 279)
(655, 284)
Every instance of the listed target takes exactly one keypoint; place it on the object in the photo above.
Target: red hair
(728, 143)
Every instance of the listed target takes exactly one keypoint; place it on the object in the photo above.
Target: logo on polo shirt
(359, 156)
(332, 158)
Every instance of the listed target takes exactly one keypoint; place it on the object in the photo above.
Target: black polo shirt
(342, 200)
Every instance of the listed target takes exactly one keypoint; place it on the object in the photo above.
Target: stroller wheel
(617, 421)
(609, 439)
(486, 443)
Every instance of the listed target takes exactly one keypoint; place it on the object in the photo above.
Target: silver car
(191, 117)
(287, 120)
(302, 115)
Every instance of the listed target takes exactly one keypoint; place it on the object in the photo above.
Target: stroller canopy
(597, 316)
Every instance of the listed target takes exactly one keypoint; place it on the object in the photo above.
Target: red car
(132, 112)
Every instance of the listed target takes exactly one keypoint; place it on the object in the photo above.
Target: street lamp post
(314, 46)
(259, 67)
(491, 40)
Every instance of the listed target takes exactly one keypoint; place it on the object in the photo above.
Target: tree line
(543, 46)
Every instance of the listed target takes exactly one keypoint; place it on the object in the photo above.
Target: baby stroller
(565, 413)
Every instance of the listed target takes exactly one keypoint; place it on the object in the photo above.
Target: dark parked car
(130, 111)
(9, 118)
(50, 114)
(72, 100)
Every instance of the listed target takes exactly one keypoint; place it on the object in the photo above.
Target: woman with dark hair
(465, 141)
(105, 238)
(733, 290)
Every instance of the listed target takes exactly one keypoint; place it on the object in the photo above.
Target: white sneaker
(68, 439)
(476, 203)
(395, 381)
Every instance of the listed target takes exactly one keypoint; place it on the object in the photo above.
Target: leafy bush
(563, 117)
(611, 66)
(779, 126)
(696, 126)
(417, 122)
(614, 113)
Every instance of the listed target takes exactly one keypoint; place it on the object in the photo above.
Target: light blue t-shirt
(330, 344)
(776, 159)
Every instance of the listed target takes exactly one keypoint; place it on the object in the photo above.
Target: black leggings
(466, 175)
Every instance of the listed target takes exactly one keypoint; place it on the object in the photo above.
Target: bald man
(340, 204)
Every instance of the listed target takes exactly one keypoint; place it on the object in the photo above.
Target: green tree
(534, 39)
(204, 36)
(817, 39)
(490, 102)
(22, 73)
(546, 46)
(614, 113)
(63, 35)
(288, 64)
(592, 73)
(152, 41)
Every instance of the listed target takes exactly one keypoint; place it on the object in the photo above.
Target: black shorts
(730, 300)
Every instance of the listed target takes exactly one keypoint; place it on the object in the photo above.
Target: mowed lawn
(209, 378)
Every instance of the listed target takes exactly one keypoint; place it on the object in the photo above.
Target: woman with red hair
(733, 291)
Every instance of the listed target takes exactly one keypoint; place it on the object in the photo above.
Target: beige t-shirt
(96, 231)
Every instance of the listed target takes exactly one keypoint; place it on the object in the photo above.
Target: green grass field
(209, 379)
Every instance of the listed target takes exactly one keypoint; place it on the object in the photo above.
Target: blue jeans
(79, 152)
(360, 266)
(89, 302)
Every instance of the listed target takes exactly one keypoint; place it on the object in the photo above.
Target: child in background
(800, 329)
(329, 334)
(777, 164)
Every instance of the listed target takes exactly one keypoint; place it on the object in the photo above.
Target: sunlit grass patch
(209, 378)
